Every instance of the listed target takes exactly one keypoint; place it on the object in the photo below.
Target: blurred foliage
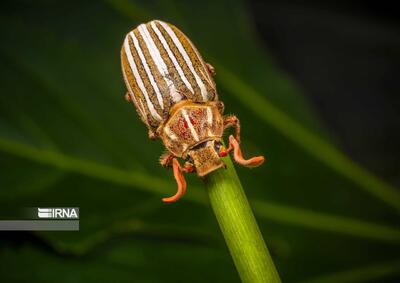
(67, 138)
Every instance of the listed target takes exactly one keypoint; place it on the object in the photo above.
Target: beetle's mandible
(175, 95)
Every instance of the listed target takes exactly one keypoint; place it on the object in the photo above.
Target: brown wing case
(161, 67)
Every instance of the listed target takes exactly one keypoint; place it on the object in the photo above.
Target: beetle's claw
(180, 180)
(238, 157)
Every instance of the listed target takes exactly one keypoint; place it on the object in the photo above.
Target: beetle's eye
(217, 146)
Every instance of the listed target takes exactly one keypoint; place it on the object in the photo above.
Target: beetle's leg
(166, 159)
(152, 135)
(233, 121)
(210, 69)
(128, 97)
(238, 157)
(220, 105)
(189, 168)
(180, 180)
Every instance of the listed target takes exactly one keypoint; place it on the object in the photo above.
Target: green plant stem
(239, 227)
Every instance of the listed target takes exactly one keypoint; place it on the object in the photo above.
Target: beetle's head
(205, 157)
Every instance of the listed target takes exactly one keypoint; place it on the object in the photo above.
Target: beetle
(175, 95)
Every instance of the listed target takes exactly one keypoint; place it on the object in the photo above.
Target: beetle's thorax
(191, 130)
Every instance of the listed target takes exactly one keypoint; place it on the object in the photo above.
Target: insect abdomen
(162, 67)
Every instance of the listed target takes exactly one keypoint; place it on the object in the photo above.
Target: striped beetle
(175, 95)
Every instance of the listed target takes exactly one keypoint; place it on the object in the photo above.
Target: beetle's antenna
(180, 180)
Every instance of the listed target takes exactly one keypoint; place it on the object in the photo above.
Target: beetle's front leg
(233, 121)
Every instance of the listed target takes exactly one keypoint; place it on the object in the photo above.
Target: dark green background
(67, 138)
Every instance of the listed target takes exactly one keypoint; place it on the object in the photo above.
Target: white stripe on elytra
(171, 56)
(147, 69)
(131, 95)
(139, 79)
(190, 125)
(167, 130)
(207, 74)
(185, 56)
(159, 61)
